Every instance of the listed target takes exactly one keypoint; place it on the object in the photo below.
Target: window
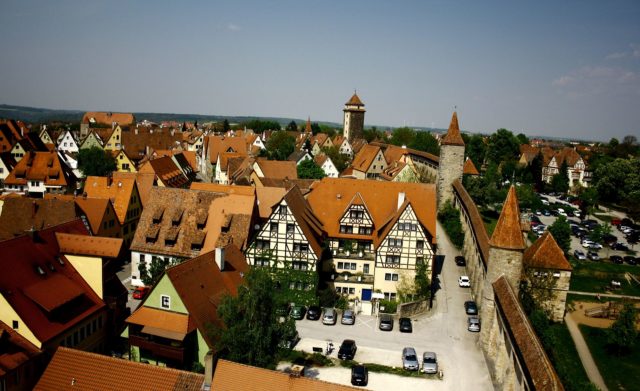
(393, 259)
(365, 268)
(391, 277)
(290, 229)
(273, 228)
(352, 291)
(390, 296)
(262, 244)
(346, 229)
(165, 301)
(340, 265)
(15, 324)
(365, 230)
(353, 266)
(356, 214)
(282, 209)
(420, 244)
(419, 260)
(395, 242)
(299, 265)
(261, 262)
(300, 247)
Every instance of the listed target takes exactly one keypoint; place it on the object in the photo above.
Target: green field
(562, 352)
(588, 276)
(619, 372)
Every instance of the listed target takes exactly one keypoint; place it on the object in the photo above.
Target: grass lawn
(619, 373)
(490, 219)
(588, 276)
(562, 352)
(604, 217)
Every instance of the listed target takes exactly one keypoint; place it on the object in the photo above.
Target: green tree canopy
(503, 146)
(476, 149)
(341, 161)
(280, 145)
(260, 126)
(424, 141)
(403, 136)
(560, 181)
(252, 329)
(561, 231)
(95, 161)
(292, 126)
(372, 134)
(308, 169)
(522, 138)
(225, 125)
(622, 334)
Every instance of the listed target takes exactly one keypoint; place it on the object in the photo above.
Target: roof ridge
(508, 232)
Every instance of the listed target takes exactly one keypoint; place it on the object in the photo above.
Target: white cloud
(598, 80)
(233, 27)
(634, 51)
(562, 81)
(617, 55)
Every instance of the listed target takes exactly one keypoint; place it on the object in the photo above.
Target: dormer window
(283, 209)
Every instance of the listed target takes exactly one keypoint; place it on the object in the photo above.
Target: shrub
(449, 217)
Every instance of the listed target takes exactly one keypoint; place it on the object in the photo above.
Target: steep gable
(508, 231)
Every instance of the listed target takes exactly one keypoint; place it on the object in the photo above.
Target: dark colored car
(386, 322)
(313, 313)
(405, 325)
(616, 259)
(297, 312)
(620, 247)
(460, 261)
(347, 350)
(470, 307)
(359, 375)
(630, 260)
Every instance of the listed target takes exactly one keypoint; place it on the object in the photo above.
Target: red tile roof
(546, 254)
(453, 136)
(508, 231)
(108, 118)
(96, 246)
(363, 159)
(469, 168)
(78, 370)
(20, 214)
(15, 350)
(479, 229)
(354, 100)
(40, 166)
(277, 169)
(32, 289)
(118, 190)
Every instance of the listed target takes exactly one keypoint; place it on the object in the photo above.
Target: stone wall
(407, 310)
(450, 167)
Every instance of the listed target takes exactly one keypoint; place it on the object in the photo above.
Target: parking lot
(442, 330)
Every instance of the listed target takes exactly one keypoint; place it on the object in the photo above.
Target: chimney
(220, 258)
(400, 199)
(208, 371)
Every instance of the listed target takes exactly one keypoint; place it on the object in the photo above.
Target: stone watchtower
(451, 161)
(353, 118)
(506, 249)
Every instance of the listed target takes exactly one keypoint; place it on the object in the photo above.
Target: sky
(549, 68)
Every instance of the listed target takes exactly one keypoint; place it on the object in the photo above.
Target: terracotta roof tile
(268, 197)
(94, 209)
(107, 118)
(508, 231)
(220, 144)
(15, 351)
(167, 171)
(119, 191)
(231, 376)
(137, 145)
(278, 169)
(40, 166)
(80, 370)
(160, 319)
(355, 100)
(309, 223)
(527, 345)
(470, 168)
(479, 229)
(89, 245)
(546, 254)
(144, 182)
(20, 214)
(363, 159)
(453, 136)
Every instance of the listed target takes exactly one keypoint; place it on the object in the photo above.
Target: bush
(449, 217)
(390, 307)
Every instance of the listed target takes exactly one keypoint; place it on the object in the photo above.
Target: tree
(561, 231)
(402, 136)
(308, 169)
(158, 265)
(522, 138)
(476, 149)
(252, 330)
(449, 217)
(560, 181)
(292, 126)
(280, 145)
(95, 161)
(315, 128)
(422, 281)
(424, 141)
(622, 334)
(503, 146)
(339, 160)
(260, 126)
(225, 125)
(618, 182)
(535, 168)
(372, 134)
(588, 197)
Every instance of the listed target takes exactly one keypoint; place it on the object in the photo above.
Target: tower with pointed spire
(506, 250)
(353, 125)
(307, 128)
(451, 161)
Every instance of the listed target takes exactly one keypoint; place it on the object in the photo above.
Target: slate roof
(508, 231)
(231, 376)
(545, 253)
(526, 343)
(34, 290)
(453, 136)
(78, 370)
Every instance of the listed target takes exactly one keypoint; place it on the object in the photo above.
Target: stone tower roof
(355, 100)
(308, 126)
(453, 136)
(546, 254)
(508, 231)
(469, 168)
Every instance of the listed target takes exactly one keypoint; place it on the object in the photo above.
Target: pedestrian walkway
(585, 355)
(612, 295)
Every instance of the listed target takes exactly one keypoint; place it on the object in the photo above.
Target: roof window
(40, 271)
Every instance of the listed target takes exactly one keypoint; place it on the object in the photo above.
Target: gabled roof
(8, 160)
(76, 369)
(94, 209)
(453, 136)
(354, 101)
(309, 223)
(167, 171)
(40, 166)
(220, 144)
(15, 350)
(526, 343)
(232, 376)
(286, 183)
(96, 246)
(545, 253)
(508, 231)
(268, 197)
(469, 168)
(136, 145)
(20, 214)
(363, 159)
(144, 182)
(330, 198)
(119, 191)
(278, 169)
(108, 118)
(44, 289)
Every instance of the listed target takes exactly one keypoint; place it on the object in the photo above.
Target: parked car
(464, 281)
(470, 307)
(330, 316)
(386, 322)
(348, 317)
(410, 359)
(630, 260)
(140, 292)
(546, 213)
(620, 247)
(313, 313)
(429, 362)
(359, 375)
(616, 259)
(405, 325)
(593, 256)
(298, 311)
(473, 324)
(347, 350)
(460, 261)
(283, 310)
(579, 255)
(586, 243)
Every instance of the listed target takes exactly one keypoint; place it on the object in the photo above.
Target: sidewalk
(605, 295)
(585, 355)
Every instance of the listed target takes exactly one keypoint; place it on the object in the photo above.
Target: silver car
(330, 316)
(348, 317)
(410, 359)
(429, 362)
(473, 324)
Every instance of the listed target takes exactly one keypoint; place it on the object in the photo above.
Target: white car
(464, 281)
(586, 243)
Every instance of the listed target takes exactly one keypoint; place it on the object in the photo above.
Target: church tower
(353, 118)
(506, 251)
(451, 161)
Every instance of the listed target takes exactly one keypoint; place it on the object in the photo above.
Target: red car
(140, 292)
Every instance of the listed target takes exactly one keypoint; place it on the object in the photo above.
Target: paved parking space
(442, 330)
